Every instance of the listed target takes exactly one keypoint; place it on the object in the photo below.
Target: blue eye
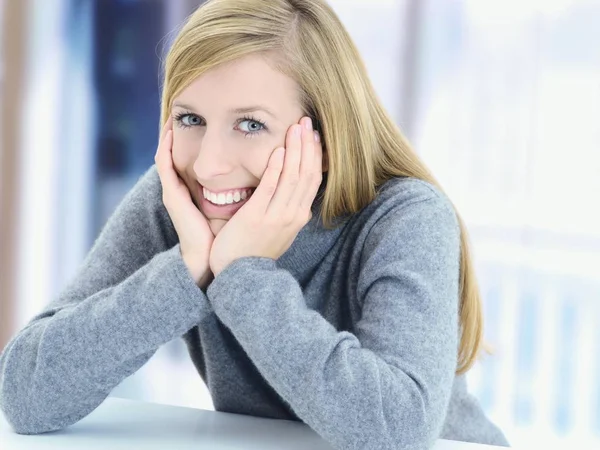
(247, 125)
(194, 120)
(186, 120)
(252, 128)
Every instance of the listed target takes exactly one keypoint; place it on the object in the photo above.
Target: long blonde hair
(363, 145)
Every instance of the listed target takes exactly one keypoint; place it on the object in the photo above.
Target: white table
(125, 424)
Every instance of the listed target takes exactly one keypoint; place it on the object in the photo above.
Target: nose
(212, 159)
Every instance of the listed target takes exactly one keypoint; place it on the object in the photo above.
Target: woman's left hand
(280, 206)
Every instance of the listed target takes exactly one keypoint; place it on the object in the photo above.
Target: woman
(288, 232)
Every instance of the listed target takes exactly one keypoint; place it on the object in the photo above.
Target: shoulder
(150, 180)
(142, 207)
(146, 191)
(406, 190)
(409, 232)
(406, 201)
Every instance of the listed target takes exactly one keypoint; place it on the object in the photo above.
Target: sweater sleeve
(386, 384)
(131, 294)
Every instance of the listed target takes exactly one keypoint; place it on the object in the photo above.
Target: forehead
(246, 81)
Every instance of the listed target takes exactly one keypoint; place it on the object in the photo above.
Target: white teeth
(225, 199)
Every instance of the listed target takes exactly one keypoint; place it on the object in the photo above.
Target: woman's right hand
(195, 235)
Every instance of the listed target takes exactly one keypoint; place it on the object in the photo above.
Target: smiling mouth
(230, 198)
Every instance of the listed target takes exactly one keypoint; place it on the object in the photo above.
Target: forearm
(68, 359)
(357, 394)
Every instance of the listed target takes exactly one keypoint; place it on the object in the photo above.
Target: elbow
(419, 434)
(416, 434)
(22, 412)
(22, 415)
(420, 422)
(35, 410)
(25, 423)
(30, 417)
(423, 434)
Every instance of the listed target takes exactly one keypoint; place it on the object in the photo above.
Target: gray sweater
(353, 331)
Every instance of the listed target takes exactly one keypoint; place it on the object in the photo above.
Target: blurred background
(500, 97)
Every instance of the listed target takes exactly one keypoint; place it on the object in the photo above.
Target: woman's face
(226, 124)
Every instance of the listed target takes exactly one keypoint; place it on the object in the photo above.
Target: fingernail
(297, 130)
(317, 137)
(308, 123)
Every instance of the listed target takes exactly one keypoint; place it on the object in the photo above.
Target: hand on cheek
(192, 227)
(270, 220)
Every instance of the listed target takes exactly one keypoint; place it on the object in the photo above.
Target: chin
(216, 225)
(216, 218)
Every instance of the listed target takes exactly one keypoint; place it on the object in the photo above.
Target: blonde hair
(364, 147)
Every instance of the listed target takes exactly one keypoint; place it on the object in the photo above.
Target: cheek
(183, 151)
(256, 161)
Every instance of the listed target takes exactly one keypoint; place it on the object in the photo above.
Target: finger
(261, 198)
(290, 175)
(176, 194)
(163, 132)
(309, 148)
(163, 149)
(315, 177)
(160, 147)
(164, 162)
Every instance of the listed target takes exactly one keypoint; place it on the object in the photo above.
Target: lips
(214, 211)
(224, 191)
(227, 197)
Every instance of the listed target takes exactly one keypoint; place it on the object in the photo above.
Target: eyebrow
(242, 110)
